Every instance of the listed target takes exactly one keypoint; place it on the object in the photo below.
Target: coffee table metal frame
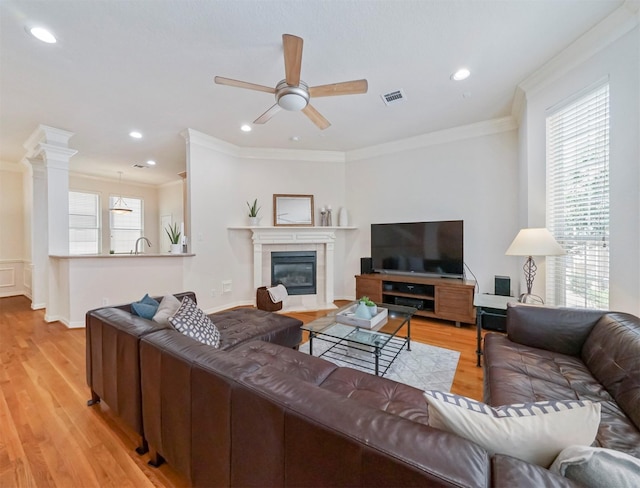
(355, 345)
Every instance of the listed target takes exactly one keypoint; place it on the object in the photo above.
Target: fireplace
(296, 270)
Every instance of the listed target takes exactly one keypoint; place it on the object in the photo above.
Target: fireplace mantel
(297, 237)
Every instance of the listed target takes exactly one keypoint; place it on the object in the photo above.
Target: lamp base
(531, 299)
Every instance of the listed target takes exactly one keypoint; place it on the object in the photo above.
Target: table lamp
(533, 242)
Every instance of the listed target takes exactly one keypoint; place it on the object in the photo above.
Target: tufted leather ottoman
(242, 325)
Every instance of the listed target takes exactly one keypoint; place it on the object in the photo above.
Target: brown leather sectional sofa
(565, 354)
(113, 351)
(263, 414)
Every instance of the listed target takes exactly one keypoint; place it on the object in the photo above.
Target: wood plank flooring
(49, 437)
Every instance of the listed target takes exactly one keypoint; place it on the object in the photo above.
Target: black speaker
(503, 286)
(366, 266)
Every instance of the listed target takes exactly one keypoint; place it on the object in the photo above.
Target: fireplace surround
(277, 239)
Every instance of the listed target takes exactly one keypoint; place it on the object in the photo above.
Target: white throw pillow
(534, 432)
(193, 322)
(598, 467)
(168, 306)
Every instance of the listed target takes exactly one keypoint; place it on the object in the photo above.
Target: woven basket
(263, 301)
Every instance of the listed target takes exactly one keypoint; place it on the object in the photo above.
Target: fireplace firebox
(296, 270)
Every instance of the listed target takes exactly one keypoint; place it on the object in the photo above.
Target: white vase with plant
(371, 306)
(174, 236)
(253, 213)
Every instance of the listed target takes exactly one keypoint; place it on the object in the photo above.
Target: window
(578, 200)
(126, 228)
(84, 223)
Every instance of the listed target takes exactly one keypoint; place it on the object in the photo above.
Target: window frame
(578, 198)
(98, 222)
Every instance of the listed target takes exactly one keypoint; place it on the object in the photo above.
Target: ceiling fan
(294, 94)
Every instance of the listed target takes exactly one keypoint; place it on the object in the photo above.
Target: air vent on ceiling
(139, 166)
(393, 97)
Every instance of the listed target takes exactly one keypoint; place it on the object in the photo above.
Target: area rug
(424, 367)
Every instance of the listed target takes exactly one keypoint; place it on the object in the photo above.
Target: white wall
(171, 207)
(220, 184)
(473, 179)
(11, 230)
(620, 62)
(106, 188)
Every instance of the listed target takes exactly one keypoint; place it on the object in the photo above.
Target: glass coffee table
(367, 349)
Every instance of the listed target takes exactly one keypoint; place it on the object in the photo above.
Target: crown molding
(621, 21)
(108, 179)
(469, 131)
(194, 137)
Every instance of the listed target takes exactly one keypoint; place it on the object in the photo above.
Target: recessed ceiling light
(245, 128)
(295, 138)
(151, 162)
(461, 74)
(43, 35)
(135, 134)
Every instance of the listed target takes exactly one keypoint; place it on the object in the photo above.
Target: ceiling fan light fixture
(292, 98)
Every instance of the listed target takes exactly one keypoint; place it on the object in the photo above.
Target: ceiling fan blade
(268, 114)
(292, 58)
(243, 84)
(344, 88)
(316, 117)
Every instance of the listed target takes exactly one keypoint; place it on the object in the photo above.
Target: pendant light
(119, 206)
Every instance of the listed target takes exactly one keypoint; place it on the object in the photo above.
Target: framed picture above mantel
(293, 210)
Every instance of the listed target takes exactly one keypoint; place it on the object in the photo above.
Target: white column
(48, 155)
(38, 231)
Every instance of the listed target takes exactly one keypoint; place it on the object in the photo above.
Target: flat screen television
(425, 248)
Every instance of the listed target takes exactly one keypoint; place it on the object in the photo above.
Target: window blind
(126, 228)
(578, 201)
(84, 223)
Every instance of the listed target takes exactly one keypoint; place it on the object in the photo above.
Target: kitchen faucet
(142, 239)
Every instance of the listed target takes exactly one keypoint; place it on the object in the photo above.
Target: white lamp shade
(534, 242)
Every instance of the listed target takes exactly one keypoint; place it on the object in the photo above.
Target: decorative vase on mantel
(254, 221)
(176, 249)
(343, 217)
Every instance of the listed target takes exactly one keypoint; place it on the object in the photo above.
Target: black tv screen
(427, 248)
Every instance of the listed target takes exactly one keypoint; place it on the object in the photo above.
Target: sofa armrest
(561, 330)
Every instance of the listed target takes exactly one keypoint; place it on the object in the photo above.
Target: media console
(438, 298)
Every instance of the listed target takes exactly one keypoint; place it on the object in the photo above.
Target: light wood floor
(49, 437)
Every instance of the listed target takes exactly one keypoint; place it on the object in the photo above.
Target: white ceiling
(149, 65)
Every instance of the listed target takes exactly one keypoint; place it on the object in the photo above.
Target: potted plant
(174, 236)
(370, 304)
(253, 213)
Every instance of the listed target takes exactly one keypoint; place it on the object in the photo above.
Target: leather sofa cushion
(509, 471)
(612, 354)
(368, 447)
(519, 374)
(380, 393)
(307, 368)
(247, 324)
(538, 327)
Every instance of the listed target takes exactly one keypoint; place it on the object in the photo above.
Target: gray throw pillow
(193, 322)
(597, 467)
(168, 306)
